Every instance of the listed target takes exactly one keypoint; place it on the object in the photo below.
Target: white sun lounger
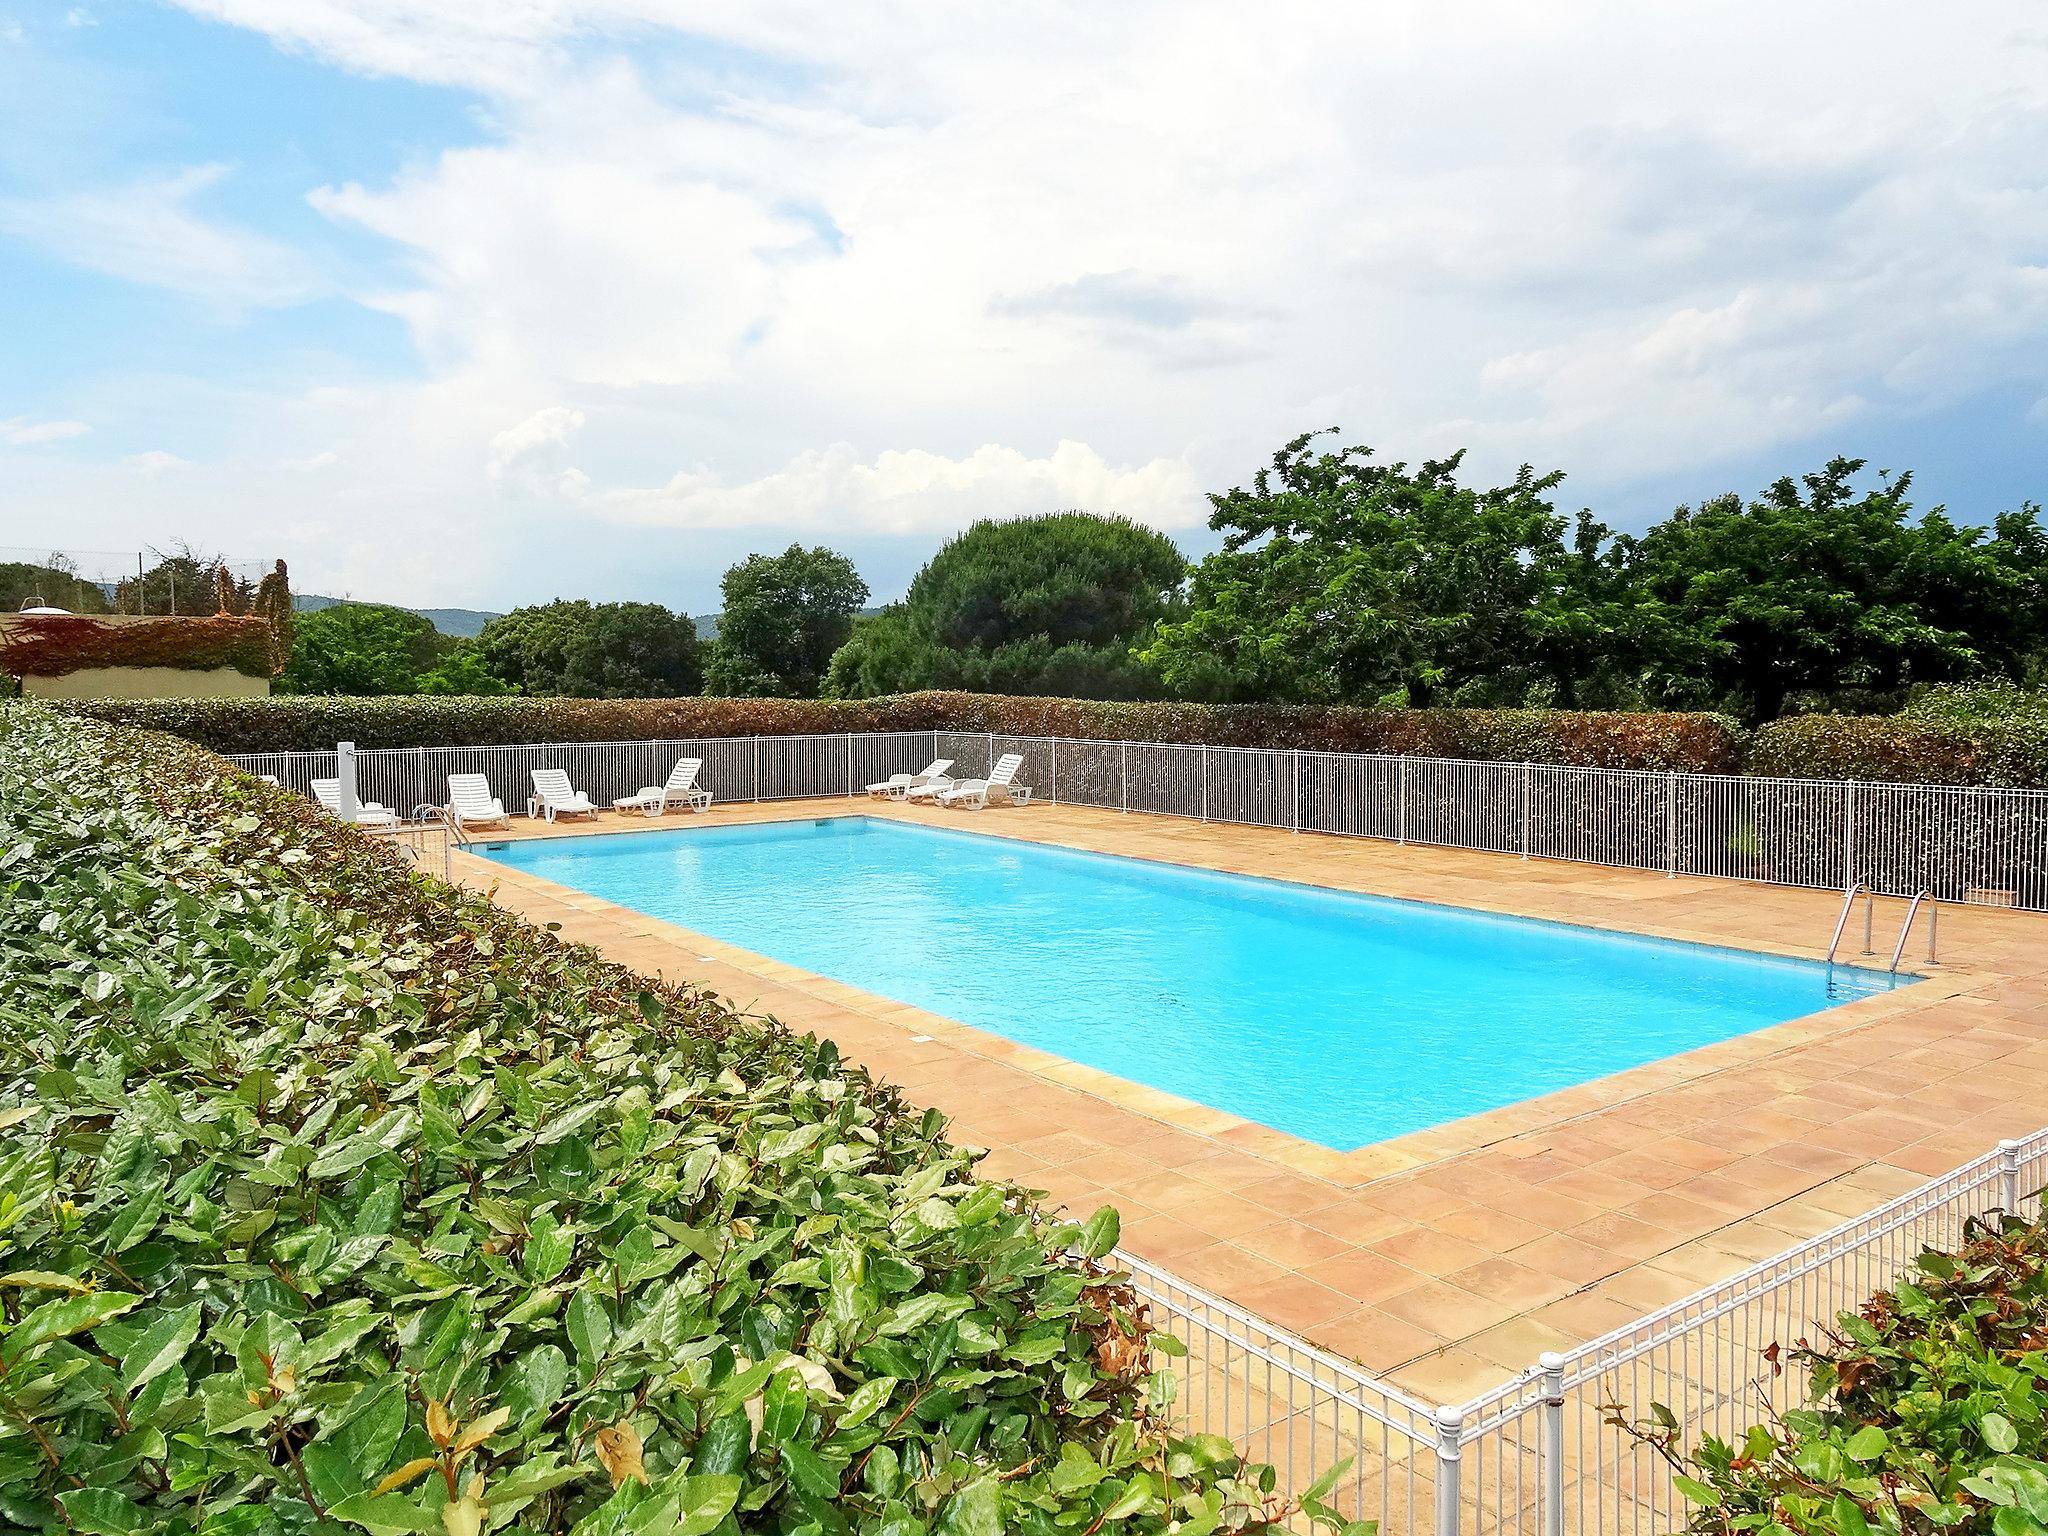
(368, 812)
(556, 797)
(471, 802)
(975, 794)
(682, 787)
(898, 786)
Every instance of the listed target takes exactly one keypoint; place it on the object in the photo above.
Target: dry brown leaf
(618, 1448)
(405, 1474)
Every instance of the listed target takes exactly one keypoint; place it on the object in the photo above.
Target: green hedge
(333, 1199)
(1928, 1411)
(1903, 750)
(1697, 742)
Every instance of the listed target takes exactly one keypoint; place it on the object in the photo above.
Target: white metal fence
(1959, 844)
(1540, 1453)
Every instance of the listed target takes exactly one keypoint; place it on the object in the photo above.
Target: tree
(1050, 604)
(463, 670)
(1341, 581)
(784, 617)
(53, 584)
(360, 648)
(588, 650)
(1815, 590)
(184, 581)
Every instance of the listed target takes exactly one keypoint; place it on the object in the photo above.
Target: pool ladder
(1862, 888)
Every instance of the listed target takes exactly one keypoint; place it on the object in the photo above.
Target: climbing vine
(53, 645)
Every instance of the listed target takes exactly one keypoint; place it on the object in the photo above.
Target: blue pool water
(1341, 1019)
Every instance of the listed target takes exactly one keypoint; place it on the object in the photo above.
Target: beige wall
(148, 683)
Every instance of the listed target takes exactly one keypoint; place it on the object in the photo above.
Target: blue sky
(487, 305)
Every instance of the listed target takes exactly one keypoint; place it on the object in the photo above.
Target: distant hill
(467, 622)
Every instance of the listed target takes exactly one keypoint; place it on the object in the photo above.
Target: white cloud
(148, 232)
(910, 491)
(741, 236)
(24, 431)
(155, 463)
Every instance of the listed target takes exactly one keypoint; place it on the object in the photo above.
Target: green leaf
(1100, 1233)
(1697, 1491)
(160, 1346)
(1848, 1517)
(62, 1319)
(725, 1446)
(1998, 1432)
(976, 1510)
(535, 1382)
(590, 1329)
(1867, 1444)
(549, 1245)
(783, 1408)
(690, 1506)
(103, 1512)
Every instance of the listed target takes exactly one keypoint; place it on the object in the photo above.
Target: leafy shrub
(333, 1199)
(1928, 1411)
(1912, 748)
(1692, 743)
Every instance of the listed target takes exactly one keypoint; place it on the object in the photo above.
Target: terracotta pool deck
(1444, 1257)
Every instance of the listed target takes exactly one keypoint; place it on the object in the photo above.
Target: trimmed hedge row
(332, 1199)
(1700, 743)
(1902, 750)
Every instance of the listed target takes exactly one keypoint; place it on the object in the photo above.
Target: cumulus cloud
(911, 491)
(24, 431)
(744, 236)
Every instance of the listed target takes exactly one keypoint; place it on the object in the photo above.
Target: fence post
(1055, 770)
(757, 770)
(1671, 825)
(1550, 1490)
(1205, 781)
(1297, 789)
(345, 772)
(1125, 775)
(1450, 1425)
(2009, 1177)
(1525, 809)
(1849, 837)
(1401, 811)
(849, 765)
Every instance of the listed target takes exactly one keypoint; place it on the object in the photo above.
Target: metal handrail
(1906, 928)
(1848, 903)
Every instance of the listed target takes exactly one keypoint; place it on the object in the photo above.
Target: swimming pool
(1337, 1018)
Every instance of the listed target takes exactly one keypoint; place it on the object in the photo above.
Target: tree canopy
(784, 617)
(1345, 581)
(360, 648)
(1050, 604)
(594, 650)
(1814, 589)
